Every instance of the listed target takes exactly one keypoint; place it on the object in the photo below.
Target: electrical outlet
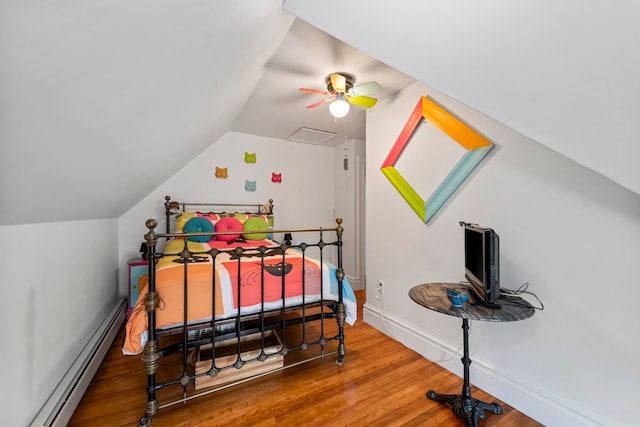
(380, 287)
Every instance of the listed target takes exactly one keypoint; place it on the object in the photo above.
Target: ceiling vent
(311, 136)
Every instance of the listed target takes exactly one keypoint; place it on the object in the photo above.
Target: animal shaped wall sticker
(249, 157)
(249, 185)
(276, 177)
(221, 172)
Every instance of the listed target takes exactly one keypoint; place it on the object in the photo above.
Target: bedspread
(231, 271)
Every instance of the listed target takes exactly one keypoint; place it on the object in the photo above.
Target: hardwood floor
(381, 383)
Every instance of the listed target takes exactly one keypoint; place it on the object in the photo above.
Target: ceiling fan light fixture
(339, 108)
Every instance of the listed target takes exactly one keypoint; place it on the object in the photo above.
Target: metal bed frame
(263, 322)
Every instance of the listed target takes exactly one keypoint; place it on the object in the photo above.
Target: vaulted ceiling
(563, 73)
(102, 101)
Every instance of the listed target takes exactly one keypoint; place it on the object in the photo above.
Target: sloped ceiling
(305, 58)
(562, 72)
(101, 101)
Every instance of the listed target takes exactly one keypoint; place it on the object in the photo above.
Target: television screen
(482, 261)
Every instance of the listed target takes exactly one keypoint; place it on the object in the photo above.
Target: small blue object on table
(457, 297)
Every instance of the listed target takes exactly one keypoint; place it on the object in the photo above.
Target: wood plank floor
(381, 383)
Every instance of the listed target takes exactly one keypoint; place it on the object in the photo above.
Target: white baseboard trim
(61, 404)
(535, 403)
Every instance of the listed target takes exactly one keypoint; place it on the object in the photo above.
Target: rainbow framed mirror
(475, 145)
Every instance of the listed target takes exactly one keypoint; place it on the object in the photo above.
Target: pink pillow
(228, 224)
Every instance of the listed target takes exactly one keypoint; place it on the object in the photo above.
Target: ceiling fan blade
(364, 89)
(314, 91)
(319, 103)
(362, 101)
(338, 82)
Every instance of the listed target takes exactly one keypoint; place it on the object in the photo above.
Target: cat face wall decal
(221, 172)
(276, 177)
(249, 157)
(249, 185)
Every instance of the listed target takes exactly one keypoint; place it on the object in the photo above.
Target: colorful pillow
(198, 225)
(228, 224)
(256, 224)
(182, 219)
(175, 246)
(242, 217)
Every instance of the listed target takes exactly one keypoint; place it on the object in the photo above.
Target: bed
(223, 277)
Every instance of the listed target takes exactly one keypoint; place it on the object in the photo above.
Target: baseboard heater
(59, 407)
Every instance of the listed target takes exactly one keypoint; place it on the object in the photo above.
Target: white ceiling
(562, 72)
(103, 100)
(305, 58)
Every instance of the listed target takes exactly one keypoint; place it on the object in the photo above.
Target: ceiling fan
(341, 92)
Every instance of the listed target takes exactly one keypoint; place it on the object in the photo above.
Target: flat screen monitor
(482, 262)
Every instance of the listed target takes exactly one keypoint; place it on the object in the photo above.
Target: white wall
(572, 234)
(58, 282)
(304, 198)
